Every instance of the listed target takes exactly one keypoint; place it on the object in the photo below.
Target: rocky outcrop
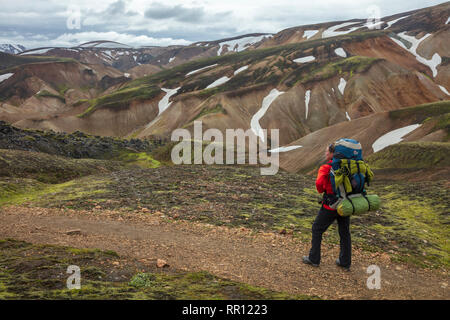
(75, 145)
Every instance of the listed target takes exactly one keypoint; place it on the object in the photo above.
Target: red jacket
(323, 183)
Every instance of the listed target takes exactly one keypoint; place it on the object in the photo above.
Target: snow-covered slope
(11, 48)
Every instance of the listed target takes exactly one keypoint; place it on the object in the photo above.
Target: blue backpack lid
(347, 149)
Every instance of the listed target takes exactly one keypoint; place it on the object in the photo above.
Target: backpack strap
(367, 180)
(353, 206)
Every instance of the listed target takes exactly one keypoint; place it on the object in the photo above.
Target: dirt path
(264, 259)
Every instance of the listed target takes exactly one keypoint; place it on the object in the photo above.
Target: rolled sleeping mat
(358, 205)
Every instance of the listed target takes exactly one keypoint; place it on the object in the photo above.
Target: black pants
(323, 220)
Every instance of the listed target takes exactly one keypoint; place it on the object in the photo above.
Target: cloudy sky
(38, 23)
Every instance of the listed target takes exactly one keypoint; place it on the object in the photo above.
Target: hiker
(326, 217)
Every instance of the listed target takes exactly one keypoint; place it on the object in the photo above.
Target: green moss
(46, 94)
(62, 89)
(21, 191)
(163, 153)
(142, 159)
(50, 168)
(320, 71)
(422, 228)
(9, 63)
(142, 280)
(443, 122)
(176, 75)
(421, 112)
(39, 272)
(411, 155)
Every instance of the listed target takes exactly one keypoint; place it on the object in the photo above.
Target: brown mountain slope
(367, 130)
(344, 78)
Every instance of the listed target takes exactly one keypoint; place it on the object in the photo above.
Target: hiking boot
(338, 263)
(307, 261)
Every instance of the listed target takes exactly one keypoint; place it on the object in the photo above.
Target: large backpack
(349, 173)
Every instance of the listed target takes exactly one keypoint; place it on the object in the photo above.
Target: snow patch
(5, 76)
(285, 149)
(448, 20)
(164, 103)
(340, 52)
(40, 51)
(309, 33)
(126, 75)
(240, 69)
(307, 97)
(241, 44)
(432, 63)
(171, 59)
(444, 90)
(218, 82)
(11, 48)
(195, 71)
(331, 31)
(267, 101)
(393, 137)
(341, 85)
(305, 59)
(390, 23)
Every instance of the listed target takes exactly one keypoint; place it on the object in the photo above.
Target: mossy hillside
(238, 196)
(142, 159)
(13, 190)
(9, 62)
(177, 75)
(23, 191)
(74, 145)
(422, 112)
(30, 271)
(320, 71)
(122, 98)
(412, 223)
(147, 88)
(441, 123)
(271, 75)
(62, 89)
(50, 168)
(411, 155)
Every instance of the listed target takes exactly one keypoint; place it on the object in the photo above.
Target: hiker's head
(329, 152)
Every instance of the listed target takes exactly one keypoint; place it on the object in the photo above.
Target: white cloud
(132, 40)
(74, 39)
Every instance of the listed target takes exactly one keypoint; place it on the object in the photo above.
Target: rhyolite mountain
(331, 80)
